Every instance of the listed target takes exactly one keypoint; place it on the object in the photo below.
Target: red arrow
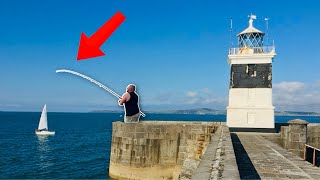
(90, 47)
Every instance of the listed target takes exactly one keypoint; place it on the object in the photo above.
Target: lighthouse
(250, 88)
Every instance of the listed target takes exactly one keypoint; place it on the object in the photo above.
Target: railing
(314, 155)
(252, 50)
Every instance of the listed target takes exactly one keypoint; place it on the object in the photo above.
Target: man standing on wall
(130, 100)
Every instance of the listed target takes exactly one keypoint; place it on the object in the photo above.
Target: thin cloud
(289, 86)
(203, 97)
(287, 96)
(194, 98)
(191, 94)
(296, 96)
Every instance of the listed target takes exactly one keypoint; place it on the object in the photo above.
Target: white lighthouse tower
(250, 90)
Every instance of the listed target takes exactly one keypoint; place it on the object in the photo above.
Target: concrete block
(116, 139)
(294, 137)
(135, 141)
(182, 148)
(297, 152)
(182, 155)
(140, 135)
(180, 161)
(294, 145)
(156, 130)
(200, 137)
(140, 129)
(142, 141)
(126, 134)
(303, 138)
(126, 140)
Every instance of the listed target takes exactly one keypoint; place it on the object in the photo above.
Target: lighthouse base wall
(250, 117)
(250, 108)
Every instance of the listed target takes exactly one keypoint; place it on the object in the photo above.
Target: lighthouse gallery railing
(252, 50)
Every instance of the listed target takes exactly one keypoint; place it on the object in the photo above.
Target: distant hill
(296, 113)
(211, 111)
(106, 111)
(185, 111)
(196, 111)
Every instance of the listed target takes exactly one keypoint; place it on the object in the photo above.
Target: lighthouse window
(251, 70)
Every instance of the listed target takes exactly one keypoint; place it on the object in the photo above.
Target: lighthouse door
(251, 118)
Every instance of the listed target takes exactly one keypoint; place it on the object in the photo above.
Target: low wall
(294, 138)
(284, 134)
(157, 149)
(313, 135)
(219, 161)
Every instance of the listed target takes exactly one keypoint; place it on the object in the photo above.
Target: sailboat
(43, 124)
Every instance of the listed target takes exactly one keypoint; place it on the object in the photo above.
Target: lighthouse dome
(250, 29)
(250, 37)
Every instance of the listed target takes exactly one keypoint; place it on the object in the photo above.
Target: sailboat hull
(45, 132)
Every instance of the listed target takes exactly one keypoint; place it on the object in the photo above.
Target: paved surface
(258, 158)
(204, 169)
(219, 160)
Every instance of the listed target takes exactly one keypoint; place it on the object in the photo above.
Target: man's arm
(125, 98)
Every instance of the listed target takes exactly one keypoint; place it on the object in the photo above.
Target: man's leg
(132, 119)
(135, 118)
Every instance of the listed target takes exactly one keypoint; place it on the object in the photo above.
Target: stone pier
(157, 149)
(207, 150)
(259, 158)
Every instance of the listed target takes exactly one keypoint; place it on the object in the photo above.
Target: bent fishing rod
(95, 82)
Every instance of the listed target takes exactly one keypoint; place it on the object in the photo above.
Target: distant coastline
(206, 111)
(196, 111)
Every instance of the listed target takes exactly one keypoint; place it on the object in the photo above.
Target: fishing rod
(95, 82)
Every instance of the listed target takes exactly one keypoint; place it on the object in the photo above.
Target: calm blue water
(80, 148)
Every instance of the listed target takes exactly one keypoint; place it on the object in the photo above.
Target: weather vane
(252, 17)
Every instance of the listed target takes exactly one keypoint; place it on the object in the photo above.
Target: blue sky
(174, 51)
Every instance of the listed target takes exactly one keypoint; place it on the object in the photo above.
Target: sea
(80, 149)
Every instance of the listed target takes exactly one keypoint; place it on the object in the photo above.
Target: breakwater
(157, 149)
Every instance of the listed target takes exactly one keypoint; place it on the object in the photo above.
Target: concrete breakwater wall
(157, 149)
(313, 135)
(219, 161)
(298, 133)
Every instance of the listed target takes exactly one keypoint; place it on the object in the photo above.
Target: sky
(175, 52)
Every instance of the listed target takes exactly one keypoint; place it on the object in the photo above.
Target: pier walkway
(259, 158)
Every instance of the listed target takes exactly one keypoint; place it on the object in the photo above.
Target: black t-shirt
(131, 106)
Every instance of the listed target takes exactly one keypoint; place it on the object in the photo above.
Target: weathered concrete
(269, 160)
(219, 160)
(313, 135)
(157, 149)
(245, 166)
(211, 158)
(229, 163)
(205, 150)
(297, 136)
(284, 135)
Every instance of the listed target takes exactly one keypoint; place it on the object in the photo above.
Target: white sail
(43, 124)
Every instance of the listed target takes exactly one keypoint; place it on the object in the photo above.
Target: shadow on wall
(277, 126)
(245, 166)
(310, 154)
